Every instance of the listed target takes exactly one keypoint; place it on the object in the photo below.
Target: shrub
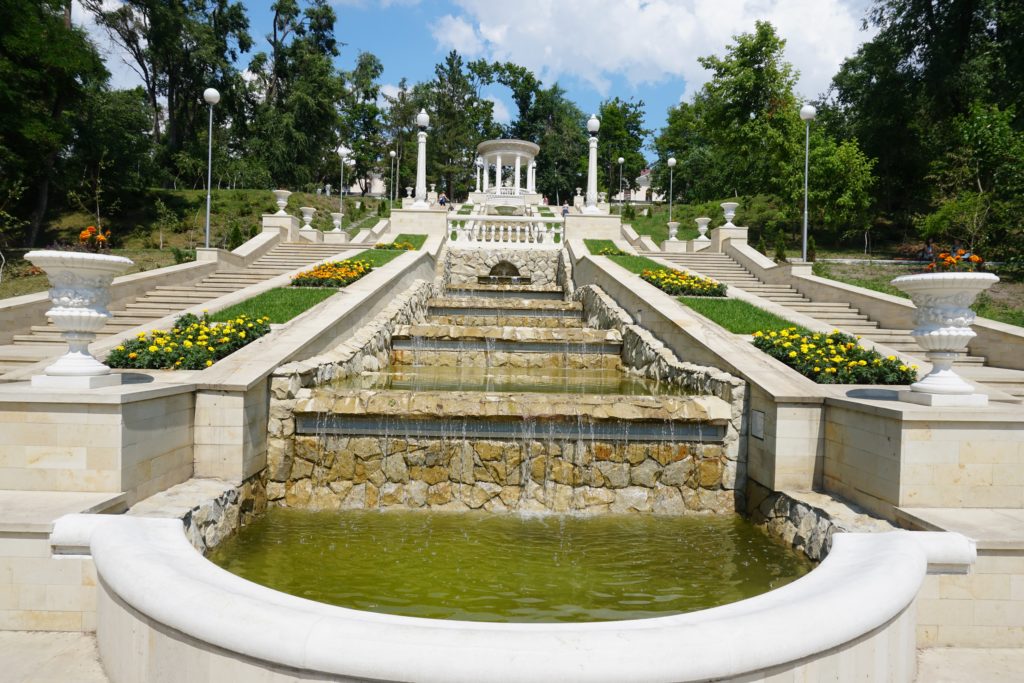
(780, 246)
(762, 246)
(677, 282)
(192, 344)
(834, 358)
(812, 249)
(183, 255)
(334, 274)
(611, 251)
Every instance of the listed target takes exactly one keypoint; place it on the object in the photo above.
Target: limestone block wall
(465, 265)
(137, 440)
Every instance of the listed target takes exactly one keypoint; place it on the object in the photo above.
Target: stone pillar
(478, 170)
(532, 186)
(518, 168)
(487, 172)
(421, 172)
(497, 171)
(591, 206)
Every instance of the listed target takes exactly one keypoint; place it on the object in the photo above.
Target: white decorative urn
(79, 291)
(730, 211)
(673, 228)
(432, 186)
(307, 215)
(579, 191)
(336, 219)
(702, 224)
(281, 197)
(942, 327)
(408, 193)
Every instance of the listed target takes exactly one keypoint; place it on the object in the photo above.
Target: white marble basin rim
(866, 581)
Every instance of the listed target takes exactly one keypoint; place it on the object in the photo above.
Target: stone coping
(883, 401)
(869, 579)
(568, 335)
(507, 304)
(130, 392)
(989, 528)
(527, 289)
(36, 511)
(666, 318)
(457, 404)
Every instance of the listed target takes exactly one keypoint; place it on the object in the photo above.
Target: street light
(671, 173)
(807, 113)
(391, 187)
(593, 125)
(422, 121)
(622, 195)
(343, 153)
(212, 97)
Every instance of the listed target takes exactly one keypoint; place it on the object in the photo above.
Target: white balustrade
(526, 232)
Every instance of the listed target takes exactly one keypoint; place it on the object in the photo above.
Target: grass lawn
(596, 246)
(17, 281)
(1004, 301)
(735, 315)
(656, 225)
(377, 257)
(636, 264)
(281, 304)
(415, 240)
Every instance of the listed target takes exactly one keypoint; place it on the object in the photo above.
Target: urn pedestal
(942, 327)
(80, 292)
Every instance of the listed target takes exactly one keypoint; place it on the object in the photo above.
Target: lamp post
(212, 97)
(671, 173)
(391, 186)
(343, 153)
(593, 125)
(807, 113)
(622, 195)
(422, 120)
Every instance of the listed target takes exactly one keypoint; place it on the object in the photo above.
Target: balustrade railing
(506, 191)
(534, 232)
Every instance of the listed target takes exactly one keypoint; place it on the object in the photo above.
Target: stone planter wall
(563, 276)
(367, 350)
(465, 265)
(643, 354)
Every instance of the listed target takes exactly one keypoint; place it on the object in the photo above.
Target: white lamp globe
(343, 151)
(621, 160)
(211, 96)
(808, 112)
(593, 125)
(422, 119)
(391, 154)
(671, 162)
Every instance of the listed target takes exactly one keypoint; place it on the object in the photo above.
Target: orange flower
(960, 252)
(975, 258)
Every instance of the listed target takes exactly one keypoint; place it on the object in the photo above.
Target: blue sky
(596, 49)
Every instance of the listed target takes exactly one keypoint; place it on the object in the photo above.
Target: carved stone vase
(79, 292)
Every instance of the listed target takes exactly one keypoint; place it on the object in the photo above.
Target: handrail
(540, 232)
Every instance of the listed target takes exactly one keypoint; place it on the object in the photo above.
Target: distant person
(442, 199)
(958, 247)
(565, 209)
(928, 251)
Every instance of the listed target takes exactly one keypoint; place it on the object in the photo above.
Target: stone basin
(506, 304)
(507, 333)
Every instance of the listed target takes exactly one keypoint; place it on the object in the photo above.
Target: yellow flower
(792, 354)
(152, 349)
(120, 348)
(209, 363)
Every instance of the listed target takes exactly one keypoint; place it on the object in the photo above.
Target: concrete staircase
(836, 313)
(43, 341)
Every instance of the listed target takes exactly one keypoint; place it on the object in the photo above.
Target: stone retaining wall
(465, 265)
(531, 475)
(646, 356)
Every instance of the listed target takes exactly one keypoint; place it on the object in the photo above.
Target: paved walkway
(37, 657)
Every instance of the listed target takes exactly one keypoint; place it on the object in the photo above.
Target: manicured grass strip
(413, 239)
(596, 246)
(636, 264)
(739, 317)
(377, 257)
(280, 305)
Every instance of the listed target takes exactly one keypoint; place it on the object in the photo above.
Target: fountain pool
(480, 566)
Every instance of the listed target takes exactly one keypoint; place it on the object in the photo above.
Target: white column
(487, 172)
(531, 182)
(421, 172)
(518, 159)
(591, 206)
(478, 178)
(497, 171)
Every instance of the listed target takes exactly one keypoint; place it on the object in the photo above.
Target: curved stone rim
(870, 579)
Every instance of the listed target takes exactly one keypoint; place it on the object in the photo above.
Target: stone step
(54, 339)
(471, 320)
(506, 333)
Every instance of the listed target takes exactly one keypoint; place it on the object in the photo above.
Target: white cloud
(650, 41)
(455, 33)
(501, 110)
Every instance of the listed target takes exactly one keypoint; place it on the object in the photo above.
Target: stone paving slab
(970, 665)
(990, 528)
(47, 657)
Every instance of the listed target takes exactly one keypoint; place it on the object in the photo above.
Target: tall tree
(46, 66)
(623, 135)
(361, 122)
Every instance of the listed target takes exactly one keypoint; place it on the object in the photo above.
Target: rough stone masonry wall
(564, 275)
(531, 475)
(367, 350)
(465, 265)
(643, 354)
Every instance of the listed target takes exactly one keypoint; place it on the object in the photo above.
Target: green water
(508, 568)
(506, 380)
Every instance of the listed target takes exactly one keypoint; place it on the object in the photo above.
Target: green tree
(400, 133)
(622, 134)
(559, 127)
(361, 121)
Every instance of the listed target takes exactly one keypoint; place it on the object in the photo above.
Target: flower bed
(834, 358)
(192, 344)
(958, 261)
(395, 246)
(334, 274)
(678, 282)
